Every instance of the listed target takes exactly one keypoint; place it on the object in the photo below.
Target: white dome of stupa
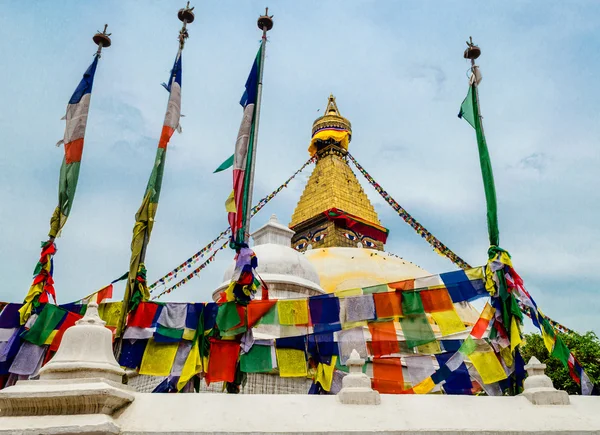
(287, 272)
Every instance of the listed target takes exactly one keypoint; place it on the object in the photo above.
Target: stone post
(82, 380)
(356, 386)
(539, 388)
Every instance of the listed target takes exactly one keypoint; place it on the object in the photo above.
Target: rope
(194, 272)
(200, 254)
(438, 246)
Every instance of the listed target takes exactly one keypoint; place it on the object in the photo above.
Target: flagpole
(265, 23)
(146, 212)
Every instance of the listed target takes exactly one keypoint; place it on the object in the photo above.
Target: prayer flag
(293, 311)
(76, 122)
(325, 373)
(158, 358)
(388, 304)
(387, 375)
(469, 111)
(383, 338)
(257, 360)
(448, 321)
(136, 289)
(46, 322)
(291, 363)
(222, 361)
(242, 158)
(225, 165)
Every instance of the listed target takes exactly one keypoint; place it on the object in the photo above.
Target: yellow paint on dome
(345, 268)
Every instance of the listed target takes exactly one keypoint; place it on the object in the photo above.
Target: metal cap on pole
(102, 39)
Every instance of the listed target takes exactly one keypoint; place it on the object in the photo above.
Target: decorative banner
(193, 274)
(198, 255)
(437, 246)
(182, 340)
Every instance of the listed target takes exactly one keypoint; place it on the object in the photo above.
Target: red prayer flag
(257, 309)
(143, 316)
(387, 375)
(407, 284)
(222, 360)
(383, 338)
(388, 304)
(105, 293)
(437, 300)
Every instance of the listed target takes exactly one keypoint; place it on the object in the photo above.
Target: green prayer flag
(46, 322)
(270, 318)
(227, 317)
(468, 346)
(258, 360)
(417, 330)
(380, 288)
(175, 334)
(561, 351)
(225, 165)
(469, 111)
(412, 303)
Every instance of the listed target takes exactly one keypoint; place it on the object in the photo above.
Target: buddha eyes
(301, 246)
(319, 237)
(349, 236)
(368, 243)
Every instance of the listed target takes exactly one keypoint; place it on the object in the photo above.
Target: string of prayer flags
(438, 246)
(198, 255)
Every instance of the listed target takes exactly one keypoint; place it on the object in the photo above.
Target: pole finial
(186, 16)
(265, 22)
(102, 39)
(472, 52)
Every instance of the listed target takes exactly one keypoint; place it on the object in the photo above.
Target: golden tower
(333, 210)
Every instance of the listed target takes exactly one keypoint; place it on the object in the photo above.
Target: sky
(398, 73)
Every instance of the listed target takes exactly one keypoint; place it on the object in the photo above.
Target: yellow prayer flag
(425, 386)
(488, 312)
(230, 203)
(51, 337)
(431, 348)
(488, 366)
(110, 312)
(293, 311)
(348, 292)
(291, 362)
(192, 366)
(325, 373)
(189, 334)
(515, 334)
(158, 358)
(449, 322)
(548, 341)
(474, 273)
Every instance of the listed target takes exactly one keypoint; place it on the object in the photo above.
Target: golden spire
(331, 127)
(332, 184)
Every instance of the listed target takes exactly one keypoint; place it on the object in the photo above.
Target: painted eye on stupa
(368, 243)
(319, 237)
(300, 246)
(350, 236)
